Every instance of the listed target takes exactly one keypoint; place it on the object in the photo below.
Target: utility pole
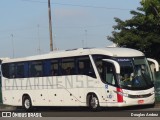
(50, 25)
(54, 43)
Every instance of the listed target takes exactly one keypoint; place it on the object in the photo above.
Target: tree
(142, 31)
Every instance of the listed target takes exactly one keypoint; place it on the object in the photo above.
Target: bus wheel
(27, 104)
(94, 103)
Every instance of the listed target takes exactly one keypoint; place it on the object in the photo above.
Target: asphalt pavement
(11, 108)
(85, 112)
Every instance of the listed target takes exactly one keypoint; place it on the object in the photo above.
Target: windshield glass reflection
(135, 73)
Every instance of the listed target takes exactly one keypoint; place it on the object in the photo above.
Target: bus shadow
(85, 109)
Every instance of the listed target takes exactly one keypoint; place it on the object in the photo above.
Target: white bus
(96, 77)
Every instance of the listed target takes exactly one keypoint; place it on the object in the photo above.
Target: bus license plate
(140, 101)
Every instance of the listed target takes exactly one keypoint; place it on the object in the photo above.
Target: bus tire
(94, 103)
(27, 104)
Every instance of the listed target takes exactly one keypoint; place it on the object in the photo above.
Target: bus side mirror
(115, 63)
(155, 63)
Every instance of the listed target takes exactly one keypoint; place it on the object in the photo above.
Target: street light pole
(50, 25)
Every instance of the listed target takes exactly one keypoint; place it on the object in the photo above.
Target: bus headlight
(125, 94)
(152, 92)
(122, 94)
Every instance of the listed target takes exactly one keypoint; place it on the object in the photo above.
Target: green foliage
(142, 31)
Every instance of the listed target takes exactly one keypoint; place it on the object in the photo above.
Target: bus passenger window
(98, 59)
(20, 70)
(85, 67)
(54, 68)
(12, 73)
(68, 71)
(68, 66)
(36, 69)
(100, 69)
(81, 68)
(5, 70)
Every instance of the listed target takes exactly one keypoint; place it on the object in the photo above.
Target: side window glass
(85, 67)
(20, 70)
(68, 66)
(54, 68)
(35, 69)
(5, 70)
(12, 73)
(99, 64)
(108, 74)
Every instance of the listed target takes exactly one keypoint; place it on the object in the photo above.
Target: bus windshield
(135, 73)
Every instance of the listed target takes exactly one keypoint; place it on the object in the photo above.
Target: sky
(24, 26)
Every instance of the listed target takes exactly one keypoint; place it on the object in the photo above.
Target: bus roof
(113, 52)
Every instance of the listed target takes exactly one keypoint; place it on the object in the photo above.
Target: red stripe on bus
(119, 96)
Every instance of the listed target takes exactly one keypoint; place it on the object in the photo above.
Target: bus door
(110, 70)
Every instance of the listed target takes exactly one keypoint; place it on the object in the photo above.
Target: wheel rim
(94, 102)
(27, 103)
